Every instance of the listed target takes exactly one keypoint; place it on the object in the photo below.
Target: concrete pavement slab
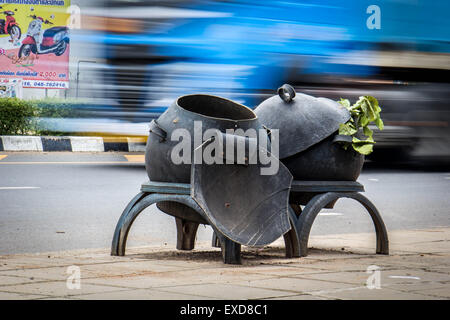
(51, 273)
(181, 277)
(426, 288)
(281, 270)
(443, 291)
(58, 289)
(387, 277)
(358, 278)
(295, 285)
(142, 294)
(337, 264)
(18, 296)
(228, 291)
(363, 293)
(127, 268)
(412, 276)
(12, 280)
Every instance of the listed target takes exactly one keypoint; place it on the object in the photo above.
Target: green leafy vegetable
(365, 111)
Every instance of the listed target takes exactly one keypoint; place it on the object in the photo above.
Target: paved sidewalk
(336, 268)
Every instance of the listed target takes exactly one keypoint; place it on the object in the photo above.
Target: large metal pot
(307, 128)
(243, 204)
(213, 112)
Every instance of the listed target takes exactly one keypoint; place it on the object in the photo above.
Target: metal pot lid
(243, 204)
(302, 120)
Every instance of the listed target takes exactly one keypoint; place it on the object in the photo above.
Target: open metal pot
(211, 112)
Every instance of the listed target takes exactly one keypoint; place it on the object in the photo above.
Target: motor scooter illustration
(52, 40)
(10, 25)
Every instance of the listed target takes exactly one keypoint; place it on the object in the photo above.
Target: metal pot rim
(255, 117)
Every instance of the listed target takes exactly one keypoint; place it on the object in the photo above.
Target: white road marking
(373, 179)
(18, 188)
(330, 214)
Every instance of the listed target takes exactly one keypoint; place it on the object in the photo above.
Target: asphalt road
(62, 201)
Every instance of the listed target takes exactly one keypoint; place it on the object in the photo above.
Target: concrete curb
(72, 144)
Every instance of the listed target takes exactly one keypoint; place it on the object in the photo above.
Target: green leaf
(368, 106)
(379, 123)
(345, 103)
(347, 129)
(363, 112)
(369, 110)
(374, 103)
(363, 148)
(363, 121)
(368, 132)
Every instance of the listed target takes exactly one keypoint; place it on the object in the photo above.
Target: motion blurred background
(131, 58)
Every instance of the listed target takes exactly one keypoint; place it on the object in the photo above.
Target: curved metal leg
(291, 239)
(317, 203)
(116, 237)
(134, 208)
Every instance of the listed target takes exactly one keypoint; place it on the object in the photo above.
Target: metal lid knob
(286, 93)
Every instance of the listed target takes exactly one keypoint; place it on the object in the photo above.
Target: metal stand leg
(317, 203)
(231, 251)
(186, 231)
(116, 247)
(215, 241)
(291, 240)
(296, 240)
(134, 208)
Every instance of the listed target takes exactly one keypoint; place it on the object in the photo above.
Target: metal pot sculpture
(308, 128)
(239, 201)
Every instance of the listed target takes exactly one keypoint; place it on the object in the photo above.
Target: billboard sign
(34, 42)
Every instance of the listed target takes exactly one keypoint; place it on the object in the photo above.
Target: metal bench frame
(319, 195)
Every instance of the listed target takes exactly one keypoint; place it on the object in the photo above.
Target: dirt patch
(249, 256)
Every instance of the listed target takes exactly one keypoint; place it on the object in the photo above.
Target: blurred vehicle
(244, 49)
(38, 41)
